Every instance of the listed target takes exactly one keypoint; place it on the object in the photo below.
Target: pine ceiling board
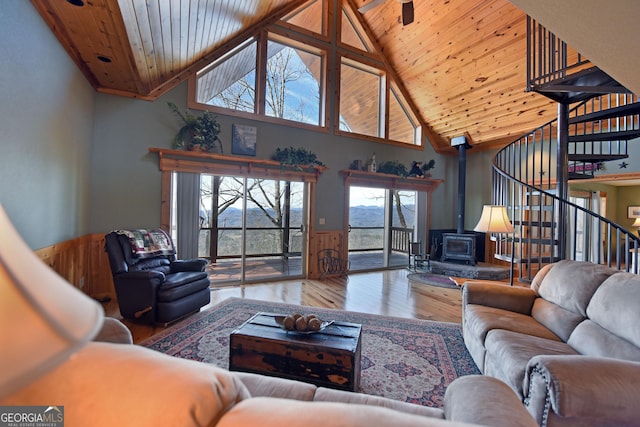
(462, 62)
(141, 75)
(139, 24)
(164, 17)
(157, 47)
(90, 31)
(178, 28)
(443, 62)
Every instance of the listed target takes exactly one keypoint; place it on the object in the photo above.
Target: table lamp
(494, 219)
(43, 319)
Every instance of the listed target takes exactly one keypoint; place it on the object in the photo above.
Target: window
(350, 35)
(280, 74)
(292, 83)
(403, 125)
(360, 99)
(231, 82)
(307, 17)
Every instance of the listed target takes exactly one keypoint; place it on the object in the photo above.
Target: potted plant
(296, 157)
(393, 167)
(426, 167)
(198, 133)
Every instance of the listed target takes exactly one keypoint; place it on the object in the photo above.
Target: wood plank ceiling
(462, 62)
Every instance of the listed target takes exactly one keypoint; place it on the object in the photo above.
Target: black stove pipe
(462, 183)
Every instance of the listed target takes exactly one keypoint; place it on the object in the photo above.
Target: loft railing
(550, 59)
(601, 126)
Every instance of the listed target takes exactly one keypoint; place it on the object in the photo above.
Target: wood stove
(459, 247)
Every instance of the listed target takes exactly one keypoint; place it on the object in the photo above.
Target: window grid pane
(292, 85)
(401, 127)
(231, 83)
(360, 100)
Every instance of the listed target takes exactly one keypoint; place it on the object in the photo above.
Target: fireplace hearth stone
(480, 271)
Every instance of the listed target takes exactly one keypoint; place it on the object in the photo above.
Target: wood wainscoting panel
(83, 263)
(323, 240)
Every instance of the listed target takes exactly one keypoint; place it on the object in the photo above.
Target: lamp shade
(636, 223)
(494, 219)
(43, 319)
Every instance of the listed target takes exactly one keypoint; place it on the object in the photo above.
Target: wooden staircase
(597, 117)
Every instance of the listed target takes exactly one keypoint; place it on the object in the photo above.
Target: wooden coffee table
(329, 358)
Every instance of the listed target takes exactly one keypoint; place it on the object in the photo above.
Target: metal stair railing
(524, 180)
(529, 180)
(550, 59)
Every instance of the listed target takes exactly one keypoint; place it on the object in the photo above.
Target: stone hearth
(481, 270)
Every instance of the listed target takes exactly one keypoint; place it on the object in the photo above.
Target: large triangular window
(311, 16)
(351, 32)
(230, 82)
(280, 73)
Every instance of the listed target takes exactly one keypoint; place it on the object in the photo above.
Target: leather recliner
(156, 289)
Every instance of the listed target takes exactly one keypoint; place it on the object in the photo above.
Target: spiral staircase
(597, 117)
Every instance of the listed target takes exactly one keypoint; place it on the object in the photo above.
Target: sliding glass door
(251, 229)
(381, 226)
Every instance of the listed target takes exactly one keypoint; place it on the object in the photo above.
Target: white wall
(46, 118)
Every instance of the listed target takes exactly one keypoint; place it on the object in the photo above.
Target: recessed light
(103, 58)
(76, 2)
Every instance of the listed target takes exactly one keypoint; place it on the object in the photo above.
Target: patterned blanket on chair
(148, 243)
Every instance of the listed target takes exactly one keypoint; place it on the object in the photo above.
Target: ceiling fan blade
(407, 13)
(370, 5)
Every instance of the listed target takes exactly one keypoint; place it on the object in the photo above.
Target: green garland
(296, 157)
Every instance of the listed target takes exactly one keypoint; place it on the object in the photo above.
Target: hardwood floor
(387, 293)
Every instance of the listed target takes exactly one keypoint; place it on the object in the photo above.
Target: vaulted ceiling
(462, 62)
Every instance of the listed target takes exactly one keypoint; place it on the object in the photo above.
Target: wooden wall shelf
(383, 180)
(198, 162)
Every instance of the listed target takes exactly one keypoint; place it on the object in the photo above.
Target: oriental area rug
(403, 359)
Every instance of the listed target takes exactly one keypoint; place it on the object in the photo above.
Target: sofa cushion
(557, 319)
(262, 385)
(479, 320)
(114, 385)
(539, 277)
(591, 339)
(571, 284)
(614, 306)
(509, 352)
(324, 394)
(275, 412)
(484, 319)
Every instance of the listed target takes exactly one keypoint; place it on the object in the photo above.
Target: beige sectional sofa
(114, 383)
(569, 345)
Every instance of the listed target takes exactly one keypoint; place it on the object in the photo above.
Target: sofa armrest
(486, 401)
(498, 295)
(141, 276)
(114, 331)
(188, 265)
(582, 387)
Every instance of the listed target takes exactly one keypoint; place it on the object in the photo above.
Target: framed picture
(243, 140)
(633, 212)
